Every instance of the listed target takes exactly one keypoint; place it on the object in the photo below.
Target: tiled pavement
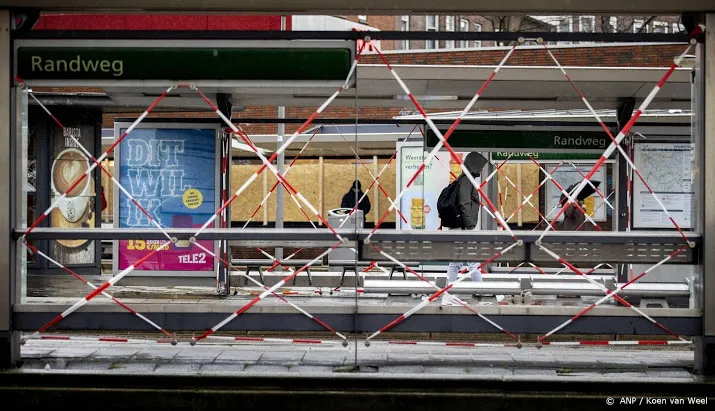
(670, 363)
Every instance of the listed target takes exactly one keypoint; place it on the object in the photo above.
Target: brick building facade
(575, 23)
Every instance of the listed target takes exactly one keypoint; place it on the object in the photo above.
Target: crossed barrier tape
(300, 200)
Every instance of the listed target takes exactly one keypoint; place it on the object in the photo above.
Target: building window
(564, 25)
(405, 26)
(477, 28)
(463, 26)
(586, 24)
(678, 28)
(432, 24)
(613, 23)
(449, 26)
(498, 43)
(660, 27)
(362, 19)
(638, 26)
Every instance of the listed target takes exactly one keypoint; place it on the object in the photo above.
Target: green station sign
(190, 63)
(524, 141)
(538, 155)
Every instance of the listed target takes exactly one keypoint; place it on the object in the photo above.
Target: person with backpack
(458, 207)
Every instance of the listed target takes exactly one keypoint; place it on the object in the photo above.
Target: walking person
(459, 209)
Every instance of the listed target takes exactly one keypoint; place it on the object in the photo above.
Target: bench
(349, 265)
(258, 264)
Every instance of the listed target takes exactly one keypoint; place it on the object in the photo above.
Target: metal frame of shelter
(15, 315)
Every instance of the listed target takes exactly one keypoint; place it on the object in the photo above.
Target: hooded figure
(467, 194)
(353, 195)
(573, 217)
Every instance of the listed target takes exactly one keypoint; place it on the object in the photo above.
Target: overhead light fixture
(688, 61)
(427, 98)
(246, 147)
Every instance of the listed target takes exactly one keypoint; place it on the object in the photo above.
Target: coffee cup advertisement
(72, 188)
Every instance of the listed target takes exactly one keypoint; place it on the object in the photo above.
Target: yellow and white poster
(419, 203)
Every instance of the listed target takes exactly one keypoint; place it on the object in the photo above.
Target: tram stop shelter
(212, 80)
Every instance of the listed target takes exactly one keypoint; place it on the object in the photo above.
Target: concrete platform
(287, 377)
(52, 356)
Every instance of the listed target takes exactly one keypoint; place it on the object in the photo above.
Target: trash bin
(344, 254)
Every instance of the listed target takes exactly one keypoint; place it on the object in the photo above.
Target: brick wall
(595, 56)
(383, 23)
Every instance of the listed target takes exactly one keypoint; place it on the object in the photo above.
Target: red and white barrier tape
(98, 161)
(441, 291)
(578, 170)
(624, 342)
(54, 337)
(93, 287)
(566, 194)
(607, 291)
(285, 172)
(624, 131)
(300, 310)
(442, 138)
(612, 294)
(450, 344)
(533, 192)
(267, 163)
(617, 142)
(263, 295)
(101, 288)
(309, 341)
(298, 341)
(596, 209)
(374, 179)
(525, 198)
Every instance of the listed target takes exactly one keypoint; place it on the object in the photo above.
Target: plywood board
(510, 196)
(245, 204)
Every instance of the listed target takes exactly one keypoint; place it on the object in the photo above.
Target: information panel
(668, 170)
(171, 172)
(568, 174)
(419, 204)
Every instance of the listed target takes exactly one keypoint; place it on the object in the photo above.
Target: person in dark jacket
(469, 208)
(355, 194)
(574, 218)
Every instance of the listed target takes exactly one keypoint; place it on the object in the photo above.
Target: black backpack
(447, 205)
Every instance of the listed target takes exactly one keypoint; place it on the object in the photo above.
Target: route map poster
(668, 170)
(171, 172)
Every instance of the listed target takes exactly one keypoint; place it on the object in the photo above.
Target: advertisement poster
(171, 172)
(76, 209)
(419, 204)
(668, 170)
(566, 175)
